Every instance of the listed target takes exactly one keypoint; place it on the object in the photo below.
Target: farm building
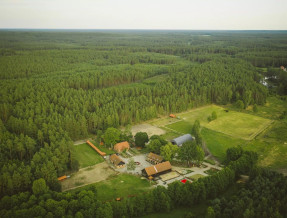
(172, 116)
(182, 139)
(120, 147)
(157, 169)
(154, 158)
(117, 161)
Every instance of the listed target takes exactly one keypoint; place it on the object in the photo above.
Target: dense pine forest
(61, 86)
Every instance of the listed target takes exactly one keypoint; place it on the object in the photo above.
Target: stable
(157, 170)
(154, 158)
(182, 139)
(117, 161)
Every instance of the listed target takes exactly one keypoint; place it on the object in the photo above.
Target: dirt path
(148, 128)
(88, 175)
(82, 141)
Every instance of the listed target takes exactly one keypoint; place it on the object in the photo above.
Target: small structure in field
(62, 178)
(172, 116)
(120, 147)
(117, 161)
(157, 170)
(154, 158)
(182, 139)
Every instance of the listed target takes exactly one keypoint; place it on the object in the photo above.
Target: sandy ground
(149, 129)
(168, 176)
(87, 176)
(141, 158)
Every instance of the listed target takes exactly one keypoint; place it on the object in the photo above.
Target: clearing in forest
(86, 155)
(232, 123)
(149, 129)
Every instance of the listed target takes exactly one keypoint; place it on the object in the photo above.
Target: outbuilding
(157, 170)
(154, 158)
(182, 139)
(117, 161)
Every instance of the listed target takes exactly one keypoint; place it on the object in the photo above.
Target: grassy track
(86, 155)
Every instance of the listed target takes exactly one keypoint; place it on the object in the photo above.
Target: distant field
(235, 124)
(86, 155)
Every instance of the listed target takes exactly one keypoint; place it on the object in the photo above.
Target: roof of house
(121, 146)
(116, 159)
(155, 157)
(161, 167)
(182, 139)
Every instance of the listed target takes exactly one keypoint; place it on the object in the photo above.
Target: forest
(61, 86)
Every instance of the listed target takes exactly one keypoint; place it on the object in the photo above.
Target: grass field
(103, 148)
(218, 143)
(120, 186)
(233, 123)
(86, 155)
(196, 177)
(253, 131)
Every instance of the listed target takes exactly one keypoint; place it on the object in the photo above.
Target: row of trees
(84, 203)
(264, 196)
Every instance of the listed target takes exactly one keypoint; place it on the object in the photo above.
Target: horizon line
(143, 29)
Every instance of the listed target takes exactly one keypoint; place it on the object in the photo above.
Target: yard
(196, 177)
(86, 155)
(121, 186)
(87, 176)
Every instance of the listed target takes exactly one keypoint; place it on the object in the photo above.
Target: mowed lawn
(232, 123)
(86, 155)
(121, 186)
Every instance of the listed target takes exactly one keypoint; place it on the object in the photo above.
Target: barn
(117, 161)
(120, 147)
(157, 170)
(182, 139)
(154, 158)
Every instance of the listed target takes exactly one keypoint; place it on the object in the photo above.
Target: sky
(145, 14)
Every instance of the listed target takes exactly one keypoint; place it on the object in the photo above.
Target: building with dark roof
(154, 158)
(117, 161)
(182, 139)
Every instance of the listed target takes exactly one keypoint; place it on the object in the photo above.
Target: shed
(154, 158)
(157, 169)
(120, 147)
(182, 139)
(62, 178)
(117, 161)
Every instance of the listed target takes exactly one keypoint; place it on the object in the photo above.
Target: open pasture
(232, 123)
(86, 155)
(120, 186)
